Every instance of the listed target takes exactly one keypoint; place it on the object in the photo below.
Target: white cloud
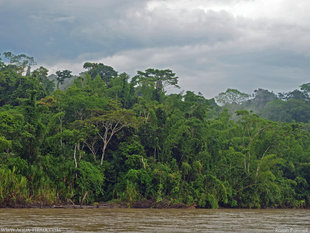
(284, 10)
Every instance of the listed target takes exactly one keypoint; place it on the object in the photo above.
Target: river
(154, 220)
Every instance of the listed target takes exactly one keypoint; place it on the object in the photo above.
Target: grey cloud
(164, 27)
(212, 69)
(210, 50)
(62, 29)
(112, 26)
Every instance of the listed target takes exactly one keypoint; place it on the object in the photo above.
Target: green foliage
(89, 182)
(19, 62)
(41, 75)
(232, 96)
(106, 73)
(5, 144)
(13, 187)
(62, 76)
(109, 136)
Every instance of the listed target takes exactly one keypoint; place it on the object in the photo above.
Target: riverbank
(164, 204)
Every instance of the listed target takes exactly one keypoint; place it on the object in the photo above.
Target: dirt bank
(137, 204)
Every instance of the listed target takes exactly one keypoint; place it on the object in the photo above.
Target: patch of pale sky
(295, 12)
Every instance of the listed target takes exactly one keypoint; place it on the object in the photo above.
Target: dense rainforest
(107, 136)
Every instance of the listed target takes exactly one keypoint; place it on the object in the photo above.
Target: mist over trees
(292, 106)
(111, 137)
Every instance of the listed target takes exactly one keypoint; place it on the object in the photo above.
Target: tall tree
(62, 76)
(41, 75)
(161, 78)
(232, 96)
(105, 72)
(20, 62)
(305, 88)
(107, 124)
(157, 81)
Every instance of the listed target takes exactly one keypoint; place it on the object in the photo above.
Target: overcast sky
(212, 45)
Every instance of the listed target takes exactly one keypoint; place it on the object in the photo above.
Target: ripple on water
(155, 220)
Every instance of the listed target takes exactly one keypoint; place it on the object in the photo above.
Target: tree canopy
(111, 137)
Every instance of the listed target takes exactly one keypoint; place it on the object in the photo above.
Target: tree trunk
(91, 147)
(103, 152)
(74, 156)
(259, 164)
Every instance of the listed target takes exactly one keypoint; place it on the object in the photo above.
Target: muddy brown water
(154, 220)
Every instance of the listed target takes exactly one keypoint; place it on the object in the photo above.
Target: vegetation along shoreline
(105, 139)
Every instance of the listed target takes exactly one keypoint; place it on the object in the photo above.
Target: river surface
(154, 220)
